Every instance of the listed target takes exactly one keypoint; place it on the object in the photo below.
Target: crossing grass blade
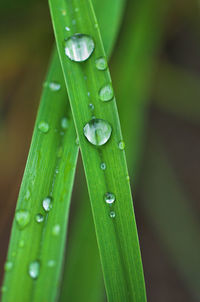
(117, 237)
(49, 173)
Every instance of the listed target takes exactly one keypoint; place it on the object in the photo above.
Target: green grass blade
(117, 238)
(49, 172)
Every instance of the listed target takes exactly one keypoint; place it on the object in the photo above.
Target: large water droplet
(34, 269)
(39, 218)
(22, 218)
(56, 230)
(109, 197)
(54, 86)
(8, 266)
(43, 127)
(106, 93)
(47, 204)
(103, 166)
(101, 63)
(79, 47)
(112, 214)
(121, 145)
(97, 131)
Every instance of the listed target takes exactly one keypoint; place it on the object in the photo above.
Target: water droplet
(22, 218)
(91, 106)
(106, 93)
(121, 145)
(64, 123)
(43, 127)
(54, 86)
(21, 243)
(109, 198)
(27, 195)
(101, 63)
(79, 47)
(8, 266)
(56, 230)
(88, 93)
(77, 141)
(112, 214)
(51, 263)
(47, 204)
(39, 218)
(128, 178)
(57, 171)
(3, 289)
(103, 166)
(96, 25)
(34, 269)
(67, 28)
(97, 131)
(60, 152)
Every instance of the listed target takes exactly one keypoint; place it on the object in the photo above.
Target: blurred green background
(156, 74)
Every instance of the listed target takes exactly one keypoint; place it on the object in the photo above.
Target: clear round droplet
(112, 214)
(8, 266)
(64, 123)
(109, 198)
(39, 218)
(22, 218)
(103, 166)
(106, 93)
(97, 131)
(56, 230)
(43, 127)
(101, 63)
(121, 145)
(47, 204)
(51, 263)
(34, 269)
(54, 86)
(79, 47)
(91, 106)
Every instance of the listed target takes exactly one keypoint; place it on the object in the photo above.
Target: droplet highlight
(121, 145)
(39, 218)
(8, 266)
(79, 47)
(34, 269)
(106, 93)
(64, 123)
(109, 198)
(43, 127)
(97, 131)
(22, 218)
(112, 214)
(51, 263)
(56, 230)
(103, 166)
(54, 86)
(101, 63)
(47, 204)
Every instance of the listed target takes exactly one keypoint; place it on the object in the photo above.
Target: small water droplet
(96, 25)
(128, 178)
(109, 198)
(43, 127)
(112, 214)
(57, 171)
(56, 230)
(60, 152)
(34, 269)
(101, 63)
(39, 218)
(106, 93)
(22, 218)
(91, 106)
(8, 266)
(27, 195)
(21, 243)
(3, 289)
(79, 47)
(88, 93)
(77, 141)
(103, 166)
(47, 204)
(54, 86)
(121, 145)
(67, 28)
(51, 263)
(97, 131)
(64, 123)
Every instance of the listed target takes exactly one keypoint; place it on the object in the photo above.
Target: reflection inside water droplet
(109, 197)
(101, 63)
(47, 204)
(22, 218)
(97, 131)
(43, 127)
(106, 93)
(34, 269)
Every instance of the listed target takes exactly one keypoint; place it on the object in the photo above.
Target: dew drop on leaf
(54, 86)
(67, 28)
(43, 127)
(91, 106)
(112, 214)
(51, 263)
(47, 204)
(8, 266)
(106, 93)
(97, 131)
(21, 243)
(109, 198)
(121, 145)
(34, 269)
(56, 230)
(22, 218)
(39, 218)
(79, 47)
(103, 166)
(64, 123)
(101, 63)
